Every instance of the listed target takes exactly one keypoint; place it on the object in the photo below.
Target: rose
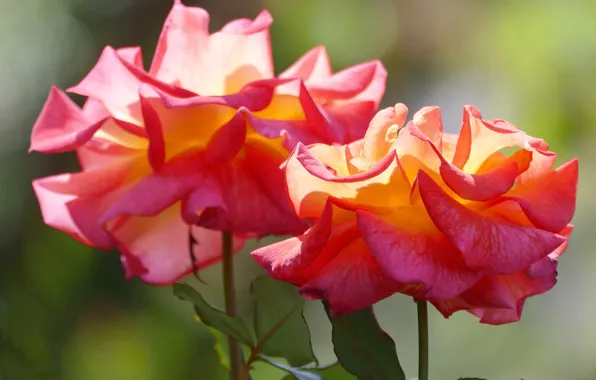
(440, 217)
(198, 139)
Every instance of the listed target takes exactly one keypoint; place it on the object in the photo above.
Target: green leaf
(279, 324)
(295, 373)
(333, 372)
(210, 316)
(470, 378)
(363, 348)
(220, 345)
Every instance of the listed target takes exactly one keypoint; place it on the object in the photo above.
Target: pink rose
(193, 145)
(446, 218)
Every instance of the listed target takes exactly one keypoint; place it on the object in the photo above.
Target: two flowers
(210, 140)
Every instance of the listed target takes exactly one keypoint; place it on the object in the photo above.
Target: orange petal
(376, 140)
(478, 139)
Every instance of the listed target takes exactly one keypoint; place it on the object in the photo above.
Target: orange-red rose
(195, 140)
(447, 218)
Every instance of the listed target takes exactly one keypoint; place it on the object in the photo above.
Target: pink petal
(351, 281)
(316, 121)
(72, 203)
(549, 201)
(157, 249)
(479, 187)
(98, 153)
(293, 132)
(348, 120)
(488, 293)
(132, 55)
(184, 35)
(414, 258)
(291, 259)
(255, 97)
(244, 26)
(539, 278)
(486, 244)
(160, 189)
(217, 64)
(314, 65)
(363, 82)
(115, 83)
(249, 208)
(206, 194)
(157, 151)
(61, 126)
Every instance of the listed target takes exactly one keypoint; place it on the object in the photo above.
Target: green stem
(421, 306)
(230, 301)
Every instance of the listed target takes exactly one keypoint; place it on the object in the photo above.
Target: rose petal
(549, 201)
(132, 55)
(476, 187)
(156, 152)
(411, 257)
(157, 249)
(248, 206)
(542, 163)
(61, 125)
(348, 120)
(486, 244)
(488, 293)
(539, 278)
(255, 96)
(429, 122)
(159, 190)
(478, 139)
(314, 65)
(351, 281)
(115, 83)
(310, 183)
(216, 64)
(363, 82)
(290, 259)
(376, 140)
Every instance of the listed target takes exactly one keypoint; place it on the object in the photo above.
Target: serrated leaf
(212, 317)
(363, 348)
(279, 320)
(295, 373)
(333, 372)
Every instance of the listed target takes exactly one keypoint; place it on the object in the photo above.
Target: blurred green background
(67, 313)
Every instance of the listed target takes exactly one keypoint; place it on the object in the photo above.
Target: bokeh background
(67, 313)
